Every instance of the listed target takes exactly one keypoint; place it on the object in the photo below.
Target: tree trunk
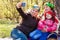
(57, 5)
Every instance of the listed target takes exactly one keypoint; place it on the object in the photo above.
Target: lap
(35, 34)
(39, 34)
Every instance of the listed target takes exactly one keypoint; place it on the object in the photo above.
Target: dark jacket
(28, 24)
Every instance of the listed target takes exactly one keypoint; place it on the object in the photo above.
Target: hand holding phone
(23, 4)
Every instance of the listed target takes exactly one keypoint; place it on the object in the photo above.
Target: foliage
(7, 21)
(5, 29)
(8, 8)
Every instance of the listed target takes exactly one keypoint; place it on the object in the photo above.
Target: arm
(41, 25)
(53, 28)
(19, 9)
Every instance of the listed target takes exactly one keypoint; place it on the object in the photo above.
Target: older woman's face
(34, 12)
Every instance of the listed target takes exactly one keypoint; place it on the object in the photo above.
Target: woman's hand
(19, 5)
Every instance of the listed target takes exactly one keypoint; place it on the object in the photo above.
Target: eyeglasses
(35, 10)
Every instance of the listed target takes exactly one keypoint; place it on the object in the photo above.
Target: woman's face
(47, 8)
(34, 12)
(48, 16)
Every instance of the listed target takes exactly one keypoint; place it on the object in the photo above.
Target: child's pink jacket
(48, 24)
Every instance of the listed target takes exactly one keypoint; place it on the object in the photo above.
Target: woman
(29, 22)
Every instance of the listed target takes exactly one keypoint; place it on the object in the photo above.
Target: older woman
(29, 22)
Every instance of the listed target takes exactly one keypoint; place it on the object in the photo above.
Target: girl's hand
(44, 30)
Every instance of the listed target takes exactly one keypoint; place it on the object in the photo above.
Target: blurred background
(9, 17)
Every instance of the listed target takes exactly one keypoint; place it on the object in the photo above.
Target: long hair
(53, 16)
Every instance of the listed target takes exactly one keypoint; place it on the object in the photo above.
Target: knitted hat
(50, 5)
(36, 7)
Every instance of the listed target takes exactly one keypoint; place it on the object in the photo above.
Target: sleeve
(40, 25)
(53, 28)
(23, 15)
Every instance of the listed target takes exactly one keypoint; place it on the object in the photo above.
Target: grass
(5, 29)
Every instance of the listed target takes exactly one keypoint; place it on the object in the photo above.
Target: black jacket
(28, 24)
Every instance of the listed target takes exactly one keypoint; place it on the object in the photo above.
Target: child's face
(48, 16)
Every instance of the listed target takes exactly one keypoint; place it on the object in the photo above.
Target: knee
(31, 35)
(36, 36)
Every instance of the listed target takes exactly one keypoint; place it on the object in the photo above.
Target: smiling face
(34, 12)
(48, 16)
(47, 8)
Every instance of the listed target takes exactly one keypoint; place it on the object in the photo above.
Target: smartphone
(23, 4)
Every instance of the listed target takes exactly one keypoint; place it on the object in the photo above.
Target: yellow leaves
(2, 15)
(8, 7)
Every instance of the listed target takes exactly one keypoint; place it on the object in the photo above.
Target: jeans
(38, 35)
(18, 35)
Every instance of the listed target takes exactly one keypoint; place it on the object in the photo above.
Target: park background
(9, 17)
